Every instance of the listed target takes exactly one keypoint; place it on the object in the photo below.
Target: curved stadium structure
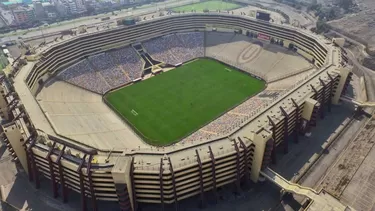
(133, 172)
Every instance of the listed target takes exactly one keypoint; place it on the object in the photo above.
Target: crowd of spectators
(176, 48)
(224, 123)
(230, 120)
(159, 49)
(102, 72)
(110, 72)
(128, 60)
(194, 43)
(105, 71)
(83, 75)
(248, 107)
(199, 135)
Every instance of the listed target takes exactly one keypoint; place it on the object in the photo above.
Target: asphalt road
(93, 20)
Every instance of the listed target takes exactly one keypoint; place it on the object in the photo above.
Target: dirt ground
(361, 25)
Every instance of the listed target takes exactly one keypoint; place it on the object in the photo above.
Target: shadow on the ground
(3, 148)
(299, 153)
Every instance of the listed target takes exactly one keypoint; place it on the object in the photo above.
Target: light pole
(41, 30)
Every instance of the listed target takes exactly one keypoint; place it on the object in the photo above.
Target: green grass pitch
(170, 106)
(210, 5)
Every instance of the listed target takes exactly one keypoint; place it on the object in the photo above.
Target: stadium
(168, 108)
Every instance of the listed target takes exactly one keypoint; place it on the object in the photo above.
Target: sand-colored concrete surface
(263, 59)
(81, 115)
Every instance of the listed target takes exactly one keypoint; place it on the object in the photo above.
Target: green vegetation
(3, 61)
(321, 27)
(332, 12)
(170, 106)
(208, 5)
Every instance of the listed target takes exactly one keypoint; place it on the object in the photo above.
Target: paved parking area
(360, 192)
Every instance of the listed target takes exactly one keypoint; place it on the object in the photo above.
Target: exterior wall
(345, 77)
(4, 111)
(209, 170)
(261, 138)
(308, 109)
(14, 137)
(80, 6)
(339, 41)
(39, 10)
(23, 15)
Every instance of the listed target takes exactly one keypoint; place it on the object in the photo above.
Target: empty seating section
(216, 42)
(83, 75)
(176, 48)
(128, 60)
(114, 76)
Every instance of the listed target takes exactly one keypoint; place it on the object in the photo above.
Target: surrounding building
(72, 7)
(52, 15)
(39, 10)
(62, 7)
(80, 5)
(50, 10)
(23, 15)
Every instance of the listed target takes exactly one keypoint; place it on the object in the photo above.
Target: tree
(331, 14)
(346, 4)
(321, 27)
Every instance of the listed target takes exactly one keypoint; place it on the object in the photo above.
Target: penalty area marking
(228, 69)
(134, 112)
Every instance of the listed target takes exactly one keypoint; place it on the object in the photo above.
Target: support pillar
(64, 189)
(297, 125)
(123, 197)
(134, 196)
(321, 108)
(33, 164)
(324, 102)
(273, 153)
(51, 170)
(330, 91)
(82, 184)
(201, 188)
(92, 190)
(213, 169)
(246, 157)
(286, 130)
(173, 183)
(28, 157)
(161, 184)
(238, 168)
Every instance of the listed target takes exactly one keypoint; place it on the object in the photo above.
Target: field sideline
(170, 106)
(210, 5)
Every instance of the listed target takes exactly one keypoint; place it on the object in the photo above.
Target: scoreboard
(263, 16)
